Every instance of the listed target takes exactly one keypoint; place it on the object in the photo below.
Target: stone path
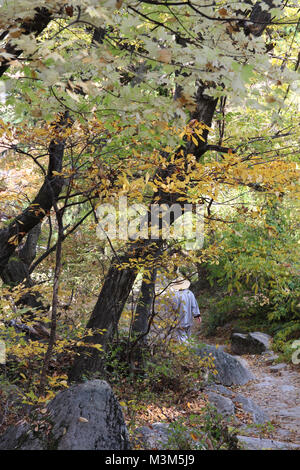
(278, 394)
(265, 411)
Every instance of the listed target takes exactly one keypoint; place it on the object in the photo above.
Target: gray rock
(153, 437)
(223, 405)
(20, 438)
(270, 359)
(278, 367)
(219, 389)
(284, 433)
(246, 429)
(259, 416)
(291, 412)
(160, 436)
(256, 443)
(267, 382)
(229, 370)
(251, 343)
(287, 388)
(84, 417)
(241, 360)
(222, 348)
(263, 338)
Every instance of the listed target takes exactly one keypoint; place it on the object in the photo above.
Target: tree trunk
(202, 282)
(141, 321)
(109, 307)
(17, 271)
(12, 235)
(142, 312)
(17, 268)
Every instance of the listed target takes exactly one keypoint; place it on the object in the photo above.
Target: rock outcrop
(229, 370)
(251, 343)
(84, 417)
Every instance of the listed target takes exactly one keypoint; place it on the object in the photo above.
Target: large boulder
(251, 343)
(229, 370)
(84, 417)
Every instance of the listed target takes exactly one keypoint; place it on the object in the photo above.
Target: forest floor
(176, 392)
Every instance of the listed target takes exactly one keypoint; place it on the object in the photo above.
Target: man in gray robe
(187, 309)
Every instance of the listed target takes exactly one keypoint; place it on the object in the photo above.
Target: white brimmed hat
(180, 284)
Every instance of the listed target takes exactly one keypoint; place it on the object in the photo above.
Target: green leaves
(247, 72)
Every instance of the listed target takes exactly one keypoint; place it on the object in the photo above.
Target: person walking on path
(187, 309)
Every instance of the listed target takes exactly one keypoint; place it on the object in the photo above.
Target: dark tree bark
(202, 282)
(143, 308)
(12, 235)
(141, 322)
(14, 267)
(17, 271)
(17, 268)
(109, 307)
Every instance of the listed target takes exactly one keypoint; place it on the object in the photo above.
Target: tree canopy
(189, 102)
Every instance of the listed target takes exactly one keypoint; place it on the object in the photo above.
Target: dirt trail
(276, 393)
